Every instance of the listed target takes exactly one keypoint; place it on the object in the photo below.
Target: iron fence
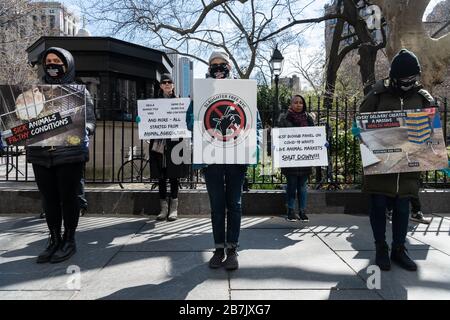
(116, 142)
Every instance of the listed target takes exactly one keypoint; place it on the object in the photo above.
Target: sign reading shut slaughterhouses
(402, 141)
(225, 117)
(299, 147)
(42, 115)
(163, 118)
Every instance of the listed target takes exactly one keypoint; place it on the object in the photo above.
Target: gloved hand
(356, 132)
(138, 119)
(327, 144)
(447, 170)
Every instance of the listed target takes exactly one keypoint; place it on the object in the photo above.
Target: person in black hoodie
(162, 166)
(297, 177)
(58, 169)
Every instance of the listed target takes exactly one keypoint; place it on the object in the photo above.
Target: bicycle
(136, 169)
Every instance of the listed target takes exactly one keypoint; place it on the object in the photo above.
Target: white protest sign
(225, 116)
(299, 147)
(163, 118)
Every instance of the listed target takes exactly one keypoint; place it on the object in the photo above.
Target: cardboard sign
(163, 118)
(225, 116)
(299, 147)
(43, 115)
(402, 141)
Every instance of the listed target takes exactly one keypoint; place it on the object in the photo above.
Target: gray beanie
(219, 55)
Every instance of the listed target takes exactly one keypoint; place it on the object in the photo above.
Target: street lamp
(276, 63)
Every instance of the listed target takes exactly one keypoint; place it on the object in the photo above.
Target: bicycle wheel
(136, 170)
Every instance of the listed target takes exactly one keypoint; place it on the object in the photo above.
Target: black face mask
(55, 70)
(219, 69)
(405, 84)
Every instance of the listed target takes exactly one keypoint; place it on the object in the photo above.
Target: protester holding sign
(58, 169)
(297, 177)
(162, 166)
(224, 182)
(400, 92)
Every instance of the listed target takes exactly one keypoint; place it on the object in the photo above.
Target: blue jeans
(296, 184)
(400, 217)
(224, 184)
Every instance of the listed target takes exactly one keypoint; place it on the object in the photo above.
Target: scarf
(298, 119)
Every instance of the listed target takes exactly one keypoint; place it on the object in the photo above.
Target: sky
(313, 37)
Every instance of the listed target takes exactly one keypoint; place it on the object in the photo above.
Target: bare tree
(246, 29)
(310, 67)
(17, 33)
(406, 30)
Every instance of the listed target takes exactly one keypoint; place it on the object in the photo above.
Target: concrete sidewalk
(135, 257)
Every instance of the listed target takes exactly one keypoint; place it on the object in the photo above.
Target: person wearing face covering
(58, 169)
(400, 91)
(162, 166)
(224, 183)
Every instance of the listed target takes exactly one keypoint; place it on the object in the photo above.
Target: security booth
(116, 73)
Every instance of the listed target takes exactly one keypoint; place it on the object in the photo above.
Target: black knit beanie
(404, 64)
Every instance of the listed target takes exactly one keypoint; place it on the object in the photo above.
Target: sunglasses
(218, 65)
(166, 82)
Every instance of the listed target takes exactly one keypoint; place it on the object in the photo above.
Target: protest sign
(402, 141)
(163, 118)
(225, 117)
(43, 115)
(299, 147)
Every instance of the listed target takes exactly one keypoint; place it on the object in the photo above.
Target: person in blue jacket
(224, 183)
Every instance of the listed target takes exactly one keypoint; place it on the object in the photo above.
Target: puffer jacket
(384, 98)
(53, 156)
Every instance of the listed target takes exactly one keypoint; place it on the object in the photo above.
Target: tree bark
(406, 30)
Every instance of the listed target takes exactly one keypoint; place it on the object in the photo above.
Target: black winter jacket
(53, 156)
(161, 164)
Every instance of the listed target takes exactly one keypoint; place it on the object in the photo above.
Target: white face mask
(29, 104)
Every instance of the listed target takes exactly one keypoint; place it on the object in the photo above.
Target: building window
(52, 22)
(44, 20)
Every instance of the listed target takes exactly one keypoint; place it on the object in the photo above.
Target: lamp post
(276, 63)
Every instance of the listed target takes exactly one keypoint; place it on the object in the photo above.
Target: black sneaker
(389, 214)
(303, 216)
(83, 211)
(231, 262)
(291, 216)
(399, 255)
(418, 217)
(382, 256)
(42, 215)
(216, 260)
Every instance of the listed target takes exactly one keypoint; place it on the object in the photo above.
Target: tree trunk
(406, 30)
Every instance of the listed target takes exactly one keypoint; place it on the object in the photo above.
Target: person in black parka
(58, 169)
(162, 166)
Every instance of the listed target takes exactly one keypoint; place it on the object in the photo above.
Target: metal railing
(116, 135)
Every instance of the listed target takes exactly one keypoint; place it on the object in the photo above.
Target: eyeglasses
(166, 82)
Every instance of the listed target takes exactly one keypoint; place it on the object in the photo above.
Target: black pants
(163, 188)
(400, 217)
(415, 204)
(81, 194)
(59, 186)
